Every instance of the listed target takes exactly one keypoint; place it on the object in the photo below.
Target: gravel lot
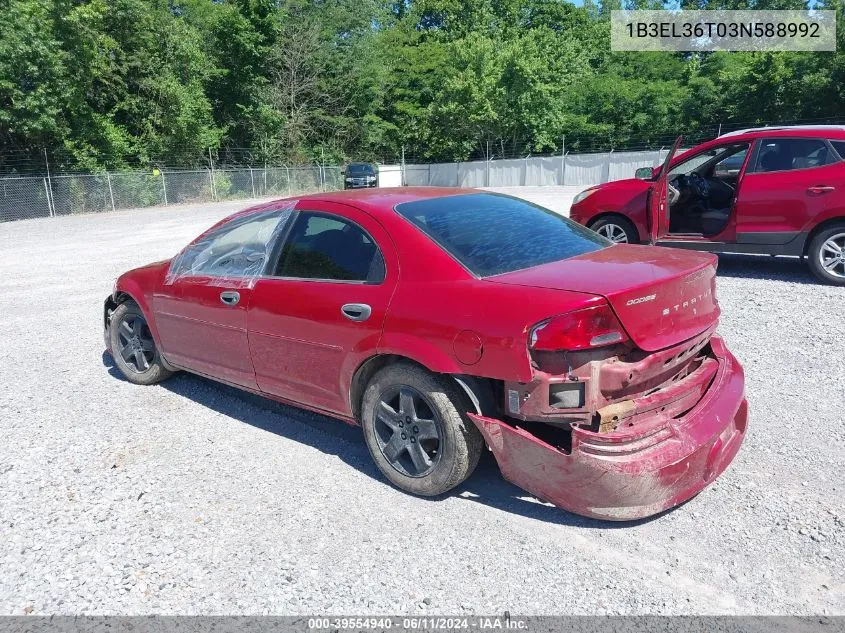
(190, 497)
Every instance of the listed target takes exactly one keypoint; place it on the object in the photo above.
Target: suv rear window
(492, 234)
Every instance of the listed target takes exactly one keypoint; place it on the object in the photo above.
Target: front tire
(133, 347)
(826, 255)
(417, 431)
(617, 229)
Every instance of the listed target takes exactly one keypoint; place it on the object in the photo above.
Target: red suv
(775, 191)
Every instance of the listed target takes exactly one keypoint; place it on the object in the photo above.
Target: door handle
(356, 311)
(230, 297)
(820, 189)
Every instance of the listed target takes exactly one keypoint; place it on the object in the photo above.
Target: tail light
(582, 329)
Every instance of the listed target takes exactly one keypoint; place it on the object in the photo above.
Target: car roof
(835, 132)
(376, 201)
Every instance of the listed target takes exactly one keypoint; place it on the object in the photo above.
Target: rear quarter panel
(474, 327)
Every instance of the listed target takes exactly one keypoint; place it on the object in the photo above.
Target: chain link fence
(37, 197)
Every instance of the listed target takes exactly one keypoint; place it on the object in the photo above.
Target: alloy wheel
(408, 431)
(613, 232)
(135, 343)
(832, 255)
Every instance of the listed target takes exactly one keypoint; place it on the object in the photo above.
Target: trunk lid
(662, 296)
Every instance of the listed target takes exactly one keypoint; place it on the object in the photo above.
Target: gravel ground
(190, 497)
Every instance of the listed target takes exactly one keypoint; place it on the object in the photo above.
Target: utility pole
(50, 205)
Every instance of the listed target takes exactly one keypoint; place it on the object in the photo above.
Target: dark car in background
(360, 175)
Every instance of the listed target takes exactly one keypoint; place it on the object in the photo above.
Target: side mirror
(644, 173)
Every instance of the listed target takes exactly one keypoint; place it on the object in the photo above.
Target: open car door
(658, 203)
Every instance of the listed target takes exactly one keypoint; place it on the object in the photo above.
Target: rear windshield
(492, 234)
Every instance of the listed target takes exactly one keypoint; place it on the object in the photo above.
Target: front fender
(127, 288)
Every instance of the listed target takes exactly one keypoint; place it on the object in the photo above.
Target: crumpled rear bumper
(631, 473)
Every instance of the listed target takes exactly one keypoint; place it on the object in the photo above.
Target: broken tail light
(587, 328)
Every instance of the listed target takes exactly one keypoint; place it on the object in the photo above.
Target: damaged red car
(446, 320)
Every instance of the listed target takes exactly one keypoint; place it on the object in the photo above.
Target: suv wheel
(826, 255)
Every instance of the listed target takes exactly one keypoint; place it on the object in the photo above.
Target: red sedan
(444, 320)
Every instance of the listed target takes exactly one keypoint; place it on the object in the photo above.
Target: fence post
(563, 160)
(429, 174)
(563, 177)
(525, 171)
(287, 175)
(252, 182)
(47, 193)
(50, 206)
(487, 156)
(211, 183)
(111, 193)
(211, 175)
(404, 180)
(163, 188)
(322, 174)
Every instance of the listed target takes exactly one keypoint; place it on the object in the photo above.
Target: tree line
(109, 84)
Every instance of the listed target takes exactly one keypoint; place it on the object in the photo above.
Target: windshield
(718, 154)
(360, 170)
(492, 234)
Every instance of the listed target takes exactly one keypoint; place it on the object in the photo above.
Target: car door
(319, 312)
(791, 181)
(658, 204)
(202, 313)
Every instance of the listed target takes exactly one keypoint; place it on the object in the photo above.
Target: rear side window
(492, 234)
(839, 146)
(322, 246)
(793, 153)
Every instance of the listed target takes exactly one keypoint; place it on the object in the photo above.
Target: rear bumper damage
(657, 461)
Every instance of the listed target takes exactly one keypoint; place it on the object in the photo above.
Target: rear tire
(133, 348)
(826, 255)
(617, 229)
(417, 431)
